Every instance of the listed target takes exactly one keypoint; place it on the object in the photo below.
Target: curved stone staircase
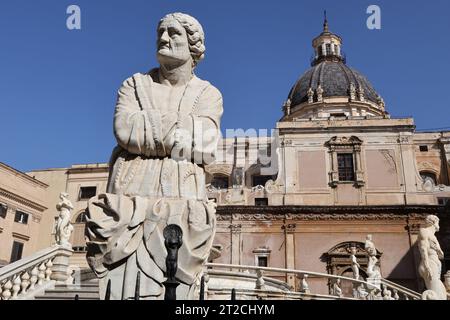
(46, 275)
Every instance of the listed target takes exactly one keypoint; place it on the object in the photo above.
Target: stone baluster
(396, 296)
(34, 277)
(48, 271)
(6, 294)
(41, 275)
(406, 296)
(372, 293)
(25, 282)
(16, 287)
(387, 294)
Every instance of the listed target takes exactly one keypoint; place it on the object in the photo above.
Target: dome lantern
(327, 46)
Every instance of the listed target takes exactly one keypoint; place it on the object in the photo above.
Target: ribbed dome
(335, 78)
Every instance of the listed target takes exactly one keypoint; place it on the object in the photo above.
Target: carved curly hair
(194, 30)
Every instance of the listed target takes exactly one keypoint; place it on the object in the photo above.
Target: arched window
(81, 218)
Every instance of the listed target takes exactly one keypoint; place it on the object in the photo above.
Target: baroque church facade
(340, 168)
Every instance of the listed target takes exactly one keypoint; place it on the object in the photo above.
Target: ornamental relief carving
(427, 166)
(314, 217)
(224, 169)
(343, 141)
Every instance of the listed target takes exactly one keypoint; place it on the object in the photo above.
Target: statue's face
(436, 224)
(173, 45)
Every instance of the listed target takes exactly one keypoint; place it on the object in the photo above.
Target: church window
(16, 252)
(87, 193)
(345, 167)
(262, 261)
(423, 148)
(262, 256)
(21, 217)
(328, 47)
(3, 210)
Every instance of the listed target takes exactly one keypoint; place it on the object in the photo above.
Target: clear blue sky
(58, 87)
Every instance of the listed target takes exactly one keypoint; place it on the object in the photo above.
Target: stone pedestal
(61, 265)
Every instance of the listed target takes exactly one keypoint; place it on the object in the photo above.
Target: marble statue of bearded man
(167, 125)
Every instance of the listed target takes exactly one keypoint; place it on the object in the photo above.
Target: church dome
(331, 88)
(335, 78)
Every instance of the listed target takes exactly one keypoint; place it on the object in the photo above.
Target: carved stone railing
(401, 290)
(28, 275)
(332, 284)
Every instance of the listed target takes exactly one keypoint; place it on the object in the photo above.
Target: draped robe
(156, 179)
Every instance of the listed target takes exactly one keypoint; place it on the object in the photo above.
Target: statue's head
(63, 195)
(180, 38)
(432, 220)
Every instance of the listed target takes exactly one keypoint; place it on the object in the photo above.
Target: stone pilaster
(235, 243)
(289, 233)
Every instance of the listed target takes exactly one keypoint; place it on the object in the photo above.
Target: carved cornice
(20, 236)
(291, 209)
(235, 228)
(316, 213)
(14, 197)
(337, 142)
(22, 175)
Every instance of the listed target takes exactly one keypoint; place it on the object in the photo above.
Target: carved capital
(359, 179)
(289, 228)
(235, 228)
(334, 179)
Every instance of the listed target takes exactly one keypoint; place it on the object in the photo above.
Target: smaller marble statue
(372, 268)
(361, 94)
(319, 92)
(387, 294)
(355, 264)
(304, 287)
(63, 227)
(287, 107)
(361, 292)
(352, 91)
(381, 103)
(430, 264)
(310, 95)
(337, 291)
